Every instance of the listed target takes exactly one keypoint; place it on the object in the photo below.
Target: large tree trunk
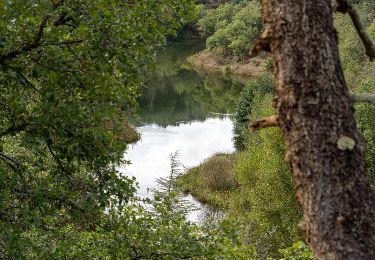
(315, 110)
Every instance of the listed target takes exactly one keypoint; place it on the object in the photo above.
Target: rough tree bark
(315, 113)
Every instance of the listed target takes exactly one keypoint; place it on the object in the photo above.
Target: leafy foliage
(262, 84)
(267, 186)
(69, 75)
(264, 197)
(298, 251)
(232, 28)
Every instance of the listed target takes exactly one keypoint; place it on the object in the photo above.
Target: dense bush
(298, 251)
(232, 28)
(263, 84)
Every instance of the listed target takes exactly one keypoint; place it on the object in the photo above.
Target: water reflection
(195, 142)
(176, 116)
(177, 94)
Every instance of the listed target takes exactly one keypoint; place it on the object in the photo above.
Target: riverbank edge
(213, 63)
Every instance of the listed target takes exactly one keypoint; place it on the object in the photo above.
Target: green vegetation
(232, 28)
(265, 196)
(360, 74)
(298, 251)
(70, 73)
(263, 84)
(212, 182)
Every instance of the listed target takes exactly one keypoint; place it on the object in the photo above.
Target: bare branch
(364, 98)
(345, 6)
(271, 121)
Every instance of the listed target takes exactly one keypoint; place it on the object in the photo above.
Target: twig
(16, 165)
(345, 6)
(71, 42)
(61, 166)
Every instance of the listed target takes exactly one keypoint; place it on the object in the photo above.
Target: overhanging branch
(37, 39)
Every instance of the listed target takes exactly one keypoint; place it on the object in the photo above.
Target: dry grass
(213, 182)
(217, 173)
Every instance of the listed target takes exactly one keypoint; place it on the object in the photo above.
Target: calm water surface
(176, 115)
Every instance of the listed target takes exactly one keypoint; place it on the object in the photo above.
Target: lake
(180, 112)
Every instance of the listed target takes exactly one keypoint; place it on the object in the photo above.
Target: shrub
(231, 29)
(267, 186)
(210, 20)
(298, 251)
(263, 84)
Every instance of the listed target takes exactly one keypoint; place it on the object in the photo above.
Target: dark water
(177, 114)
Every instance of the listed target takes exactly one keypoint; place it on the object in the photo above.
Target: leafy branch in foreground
(69, 77)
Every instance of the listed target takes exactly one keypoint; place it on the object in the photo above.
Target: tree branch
(16, 166)
(18, 127)
(261, 44)
(71, 42)
(61, 166)
(35, 43)
(19, 72)
(271, 121)
(345, 6)
(364, 98)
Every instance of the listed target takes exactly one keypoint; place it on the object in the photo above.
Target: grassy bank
(213, 182)
(253, 185)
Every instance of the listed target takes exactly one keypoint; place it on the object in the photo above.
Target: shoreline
(206, 61)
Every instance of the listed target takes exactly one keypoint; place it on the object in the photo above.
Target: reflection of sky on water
(195, 142)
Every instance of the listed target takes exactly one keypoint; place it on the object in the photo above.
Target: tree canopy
(70, 72)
